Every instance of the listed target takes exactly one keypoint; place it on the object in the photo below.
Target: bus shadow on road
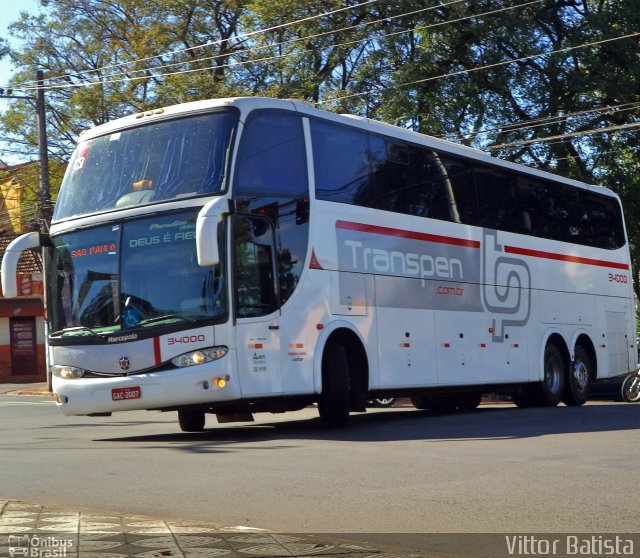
(485, 423)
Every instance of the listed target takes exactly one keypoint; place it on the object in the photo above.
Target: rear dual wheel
(572, 385)
(548, 392)
(578, 385)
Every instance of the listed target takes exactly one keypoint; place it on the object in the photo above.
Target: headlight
(67, 372)
(199, 357)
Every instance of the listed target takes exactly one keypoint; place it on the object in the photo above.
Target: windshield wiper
(79, 330)
(157, 319)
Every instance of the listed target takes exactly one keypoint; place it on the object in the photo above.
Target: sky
(10, 12)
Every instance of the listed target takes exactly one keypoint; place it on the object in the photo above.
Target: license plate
(126, 393)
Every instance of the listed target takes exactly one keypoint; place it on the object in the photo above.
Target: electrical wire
(479, 68)
(540, 122)
(370, 91)
(252, 49)
(220, 41)
(593, 131)
(109, 78)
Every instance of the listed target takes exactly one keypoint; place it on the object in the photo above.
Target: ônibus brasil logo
(33, 546)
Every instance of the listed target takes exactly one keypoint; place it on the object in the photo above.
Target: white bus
(242, 255)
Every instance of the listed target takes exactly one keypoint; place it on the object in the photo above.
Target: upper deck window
(165, 160)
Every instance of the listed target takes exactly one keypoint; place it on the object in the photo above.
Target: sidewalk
(34, 530)
(40, 389)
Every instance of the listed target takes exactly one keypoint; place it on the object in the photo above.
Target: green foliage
(474, 71)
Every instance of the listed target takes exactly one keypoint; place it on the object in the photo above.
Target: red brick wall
(6, 377)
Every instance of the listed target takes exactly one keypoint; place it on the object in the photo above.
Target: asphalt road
(498, 469)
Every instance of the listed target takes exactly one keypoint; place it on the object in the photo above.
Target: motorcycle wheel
(631, 388)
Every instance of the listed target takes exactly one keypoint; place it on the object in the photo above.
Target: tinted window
(342, 164)
(271, 181)
(272, 160)
(560, 212)
(370, 170)
(606, 221)
(253, 266)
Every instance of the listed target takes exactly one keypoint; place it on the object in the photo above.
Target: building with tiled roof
(22, 349)
(28, 262)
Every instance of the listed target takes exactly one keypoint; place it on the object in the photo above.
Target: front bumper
(157, 390)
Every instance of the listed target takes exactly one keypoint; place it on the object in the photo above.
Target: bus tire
(631, 388)
(469, 401)
(335, 400)
(550, 390)
(524, 398)
(578, 381)
(191, 420)
(437, 402)
(420, 402)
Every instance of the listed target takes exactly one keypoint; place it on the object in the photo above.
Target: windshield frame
(143, 189)
(79, 334)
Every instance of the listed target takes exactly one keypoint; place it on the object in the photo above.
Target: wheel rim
(580, 375)
(553, 373)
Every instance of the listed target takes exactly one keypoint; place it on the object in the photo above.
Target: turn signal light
(220, 382)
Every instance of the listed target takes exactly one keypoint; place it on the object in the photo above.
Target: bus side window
(430, 188)
(271, 181)
(495, 193)
(606, 222)
(272, 159)
(342, 165)
(256, 293)
(459, 174)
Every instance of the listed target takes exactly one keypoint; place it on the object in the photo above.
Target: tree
(504, 78)
(103, 60)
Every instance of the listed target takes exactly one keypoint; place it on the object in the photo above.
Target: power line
(478, 68)
(108, 79)
(539, 122)
(562, 137)
(27, 85)
(249, 50)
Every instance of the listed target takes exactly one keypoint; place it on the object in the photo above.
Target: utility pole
(44, 192)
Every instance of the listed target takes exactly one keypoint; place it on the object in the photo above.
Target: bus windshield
(131, 275)
(156, 162)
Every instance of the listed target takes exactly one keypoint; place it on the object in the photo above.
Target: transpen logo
(506, 286)
(406, 264)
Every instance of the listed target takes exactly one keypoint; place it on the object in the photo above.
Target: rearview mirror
(209, 219)
(10, 261)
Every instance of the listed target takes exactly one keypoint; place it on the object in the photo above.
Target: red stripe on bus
(156, 350)
(424, 237)
(564, 257)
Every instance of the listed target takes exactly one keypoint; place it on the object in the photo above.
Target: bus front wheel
(191, 420)
(335, 400)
